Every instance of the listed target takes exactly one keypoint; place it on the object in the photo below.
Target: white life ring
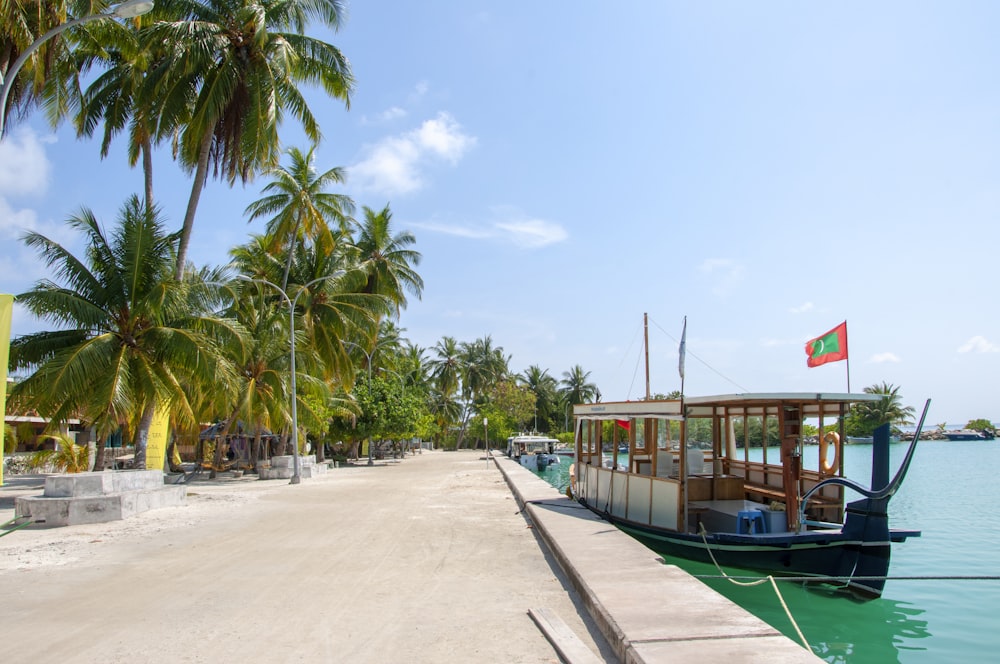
(829, 438)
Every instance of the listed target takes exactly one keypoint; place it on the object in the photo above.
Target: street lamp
(127, 9)
(297, 471)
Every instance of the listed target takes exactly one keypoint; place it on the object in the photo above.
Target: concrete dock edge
(647, 610)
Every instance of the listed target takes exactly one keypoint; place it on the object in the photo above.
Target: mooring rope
(548, 504)
(847, 579)
(756, 582)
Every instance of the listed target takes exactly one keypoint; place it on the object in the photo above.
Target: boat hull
(539, 462)
(830, 556)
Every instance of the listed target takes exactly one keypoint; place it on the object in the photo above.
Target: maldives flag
(829, 347)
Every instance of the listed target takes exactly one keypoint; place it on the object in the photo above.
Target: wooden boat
(690, 489)
(532, 451)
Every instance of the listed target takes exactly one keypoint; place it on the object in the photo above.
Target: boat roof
(532, 438)
(812, 404)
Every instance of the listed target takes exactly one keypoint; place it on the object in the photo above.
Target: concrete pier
(441, 558)
(647, 610)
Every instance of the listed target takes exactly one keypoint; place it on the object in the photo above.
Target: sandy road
(426, 560)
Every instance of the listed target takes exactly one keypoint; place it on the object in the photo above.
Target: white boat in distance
(533, 451)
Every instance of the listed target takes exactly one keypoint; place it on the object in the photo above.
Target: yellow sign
(156, 444)
(6, 310)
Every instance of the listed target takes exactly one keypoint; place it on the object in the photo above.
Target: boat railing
(881, 494)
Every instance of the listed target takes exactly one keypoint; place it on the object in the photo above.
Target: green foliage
(509, 408)
(866, 416)
(68, 457)
(755, 435)
(980, 425)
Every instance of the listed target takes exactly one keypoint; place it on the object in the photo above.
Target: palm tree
(446, 366)
(21, 23)
(866, 416)
(126, 339)
(300, 206)
(115, 98)
(386, 258)
(576, 387)
(544, 387)
(228, 76)
(482, 367)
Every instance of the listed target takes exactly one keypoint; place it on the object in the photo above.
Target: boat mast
(645, 345)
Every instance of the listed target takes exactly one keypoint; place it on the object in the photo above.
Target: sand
(425, 560)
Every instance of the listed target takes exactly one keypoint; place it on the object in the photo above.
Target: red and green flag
(829, 347)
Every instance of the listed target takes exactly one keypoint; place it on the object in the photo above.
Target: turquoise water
(951, 494)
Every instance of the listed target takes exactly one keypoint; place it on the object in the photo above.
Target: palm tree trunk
(99, 454)
(147, 171)
(255, 450)
(291, 252)
(219, 440)
(142, 437)
(200, 177)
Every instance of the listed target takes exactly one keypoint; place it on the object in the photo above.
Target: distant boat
(967, 434)
(532, 451)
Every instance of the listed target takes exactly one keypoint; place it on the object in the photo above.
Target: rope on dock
(544, 503)
(845, 579)
(756, 582)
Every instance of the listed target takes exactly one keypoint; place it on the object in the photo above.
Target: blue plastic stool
(750, 522)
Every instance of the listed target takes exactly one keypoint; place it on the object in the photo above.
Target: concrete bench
(77, 498)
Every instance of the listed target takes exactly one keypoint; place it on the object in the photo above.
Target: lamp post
(486, 434)
(297, 470)
(127, 9)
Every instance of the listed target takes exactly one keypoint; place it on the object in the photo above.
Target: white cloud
(443, 137)
(533, 233)
(514, 228)
(882, 358)
(395, 164)
(24, 167)
(385, 116)
(978, 344)
(802, 308)
(13, 223)
(725, 272)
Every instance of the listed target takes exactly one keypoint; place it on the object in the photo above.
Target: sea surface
(952, 495)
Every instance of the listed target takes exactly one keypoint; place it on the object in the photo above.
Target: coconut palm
(544, 386)
(114, 100)
(866, 416)
(576, 386)
(230, 73)
(446, 366)
(482, 367)
(386, 258)
(21, 23)
(125, 339)
(300, 206)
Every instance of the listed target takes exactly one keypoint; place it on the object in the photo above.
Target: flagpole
(848, 361)
(681, 351)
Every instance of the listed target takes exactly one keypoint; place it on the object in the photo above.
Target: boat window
(667, 432)
(644, 430)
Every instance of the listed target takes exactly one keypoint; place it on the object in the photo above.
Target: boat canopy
(813, 404)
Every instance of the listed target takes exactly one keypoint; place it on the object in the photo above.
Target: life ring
(829, 467)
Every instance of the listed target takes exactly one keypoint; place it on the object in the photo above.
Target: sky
(767, 170)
